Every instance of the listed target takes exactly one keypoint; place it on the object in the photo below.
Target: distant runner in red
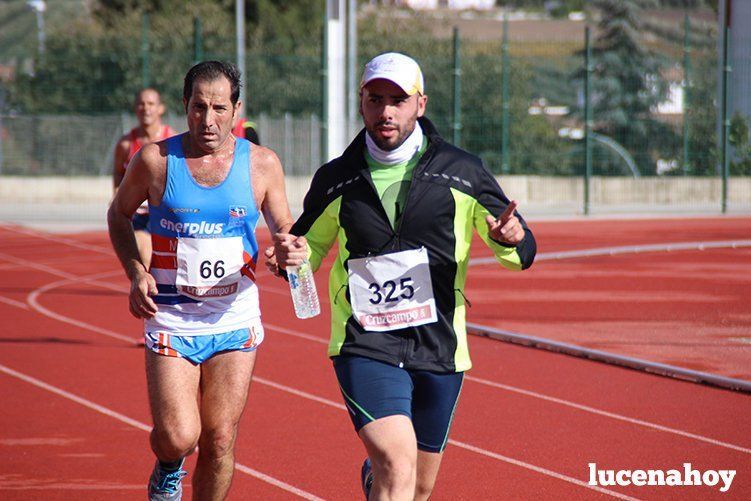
(149, 109)
(245, 129)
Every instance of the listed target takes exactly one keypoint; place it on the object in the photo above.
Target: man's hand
(142, 287)
(506, 228)
(271, 263)
(289, 250)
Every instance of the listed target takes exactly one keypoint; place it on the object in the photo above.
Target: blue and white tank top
(204, 249)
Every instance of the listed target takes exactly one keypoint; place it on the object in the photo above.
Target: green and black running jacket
(451, 192)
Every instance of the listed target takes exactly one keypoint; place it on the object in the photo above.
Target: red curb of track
(610, 358)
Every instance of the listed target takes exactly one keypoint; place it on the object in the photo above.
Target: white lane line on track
(462, 445)
(78, 245)
(612, 415)
(75, 398)
(543, 471)
(525, 392)
(72, 278)
(33, 300)
(13, 302)
(37, 266)
(291, 332)
(58, 240)
(548, 398)
(337, 405)
(629, 249)
(144, 427)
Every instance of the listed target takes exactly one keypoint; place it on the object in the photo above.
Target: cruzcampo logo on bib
(392, 291)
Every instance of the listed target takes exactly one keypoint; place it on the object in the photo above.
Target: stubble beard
(384, 144)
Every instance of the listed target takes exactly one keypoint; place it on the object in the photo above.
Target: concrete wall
(55, 189)
(79, 197)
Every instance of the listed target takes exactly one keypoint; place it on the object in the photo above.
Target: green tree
(533, 142)
(95, 64)
(702, 113)
(627, 83)
(740, 162)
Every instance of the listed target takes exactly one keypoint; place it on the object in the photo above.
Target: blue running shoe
(166, 485)
(366, 477)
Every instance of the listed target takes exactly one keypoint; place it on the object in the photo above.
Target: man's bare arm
(269, 176)
(271, 196)
(120, 157)
(132, 192)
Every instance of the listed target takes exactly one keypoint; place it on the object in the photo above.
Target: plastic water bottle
(303, 288)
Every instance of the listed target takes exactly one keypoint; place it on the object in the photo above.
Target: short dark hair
(209, 71)
(140, 91)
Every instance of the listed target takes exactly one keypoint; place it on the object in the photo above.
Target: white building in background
(449, 4)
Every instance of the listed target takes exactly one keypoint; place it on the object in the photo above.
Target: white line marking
(544, 471)
(13, 302)
(483, 451)
(612, 415)
(37, 266)
(629, 249)
(295, 333)
(75, 398)
(337, 405)
(300, 393)
(33, 300)
(142, 426)
(560, 401)
(59, 240)
(34, 303)
(462, 445)
(68, 276)
(271, 480)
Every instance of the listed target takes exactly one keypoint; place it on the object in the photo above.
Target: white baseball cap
(395, 67)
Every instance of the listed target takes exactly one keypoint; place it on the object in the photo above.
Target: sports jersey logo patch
(237, 214)
(237, 211)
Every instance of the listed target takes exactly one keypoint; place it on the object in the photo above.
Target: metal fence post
(456, 124)
(145, 73)
(240, 46)
(725, 129)
(2, 110)
(197, 40)
(288, 142)
(686, 90)
(324, 92)
(505, 107)
(352, 87)
(587, 117)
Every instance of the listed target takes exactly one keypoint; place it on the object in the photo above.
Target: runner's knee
(218, 442)
(176, 441)
(424, 488)
(395, 469)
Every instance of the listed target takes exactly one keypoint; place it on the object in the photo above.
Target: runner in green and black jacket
(450, 193)
(402, 205)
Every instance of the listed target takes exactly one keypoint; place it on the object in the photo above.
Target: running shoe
(166, 485)
(366, 477)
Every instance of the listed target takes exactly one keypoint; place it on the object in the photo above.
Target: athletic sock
(169, 467)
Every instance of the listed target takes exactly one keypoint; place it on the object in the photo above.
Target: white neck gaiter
(399, 155)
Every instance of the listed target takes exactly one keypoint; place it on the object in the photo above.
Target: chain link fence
(518, 86)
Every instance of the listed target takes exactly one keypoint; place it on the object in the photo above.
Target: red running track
(688, 308)
(74, 417)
